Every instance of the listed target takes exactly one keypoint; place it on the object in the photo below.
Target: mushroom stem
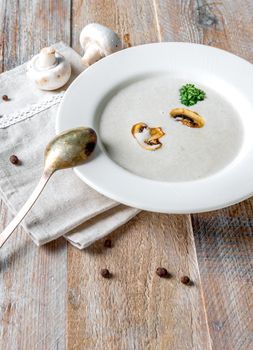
(92, 54)
(46, 57)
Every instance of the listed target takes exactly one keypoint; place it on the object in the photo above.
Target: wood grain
(224, 238)
(224, 242)
(32, 293)
(135, 309)
(223, 24)
(135, 17)
(32, 280)
(27, 26)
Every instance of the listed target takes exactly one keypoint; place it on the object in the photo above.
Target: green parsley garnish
(190, 95)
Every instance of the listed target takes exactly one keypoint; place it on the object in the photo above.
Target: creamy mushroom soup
(186, 153)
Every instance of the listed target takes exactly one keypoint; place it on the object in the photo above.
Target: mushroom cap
(52, 77)
(105, 38)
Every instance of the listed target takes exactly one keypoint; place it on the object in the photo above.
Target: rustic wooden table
(54, 295)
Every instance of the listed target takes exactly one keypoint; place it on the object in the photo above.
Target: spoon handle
(25, 209)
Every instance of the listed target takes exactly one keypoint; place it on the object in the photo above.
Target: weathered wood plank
(32, 292)
(116, 15)
(224, 242)
(225, 24)
(27, 26)
(224, 238)
(32, 280)
(135, 309)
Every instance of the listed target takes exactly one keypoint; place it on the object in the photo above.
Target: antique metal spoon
(66, 150)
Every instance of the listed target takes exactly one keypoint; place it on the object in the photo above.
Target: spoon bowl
(70, 148)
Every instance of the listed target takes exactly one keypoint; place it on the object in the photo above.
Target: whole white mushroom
(49, 70)
(98, 41)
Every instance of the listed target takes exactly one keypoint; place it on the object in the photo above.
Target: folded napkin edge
(67, 228)
(104, 234)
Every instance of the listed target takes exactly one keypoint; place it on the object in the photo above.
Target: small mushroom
(147, 138)
(98, 41)
(187, 117)
(49, 70)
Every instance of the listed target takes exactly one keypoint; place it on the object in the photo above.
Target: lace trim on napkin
(13, 118)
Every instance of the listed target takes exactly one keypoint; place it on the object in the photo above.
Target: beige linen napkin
(67, 206)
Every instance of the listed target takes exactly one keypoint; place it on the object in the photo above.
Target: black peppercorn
(108, 243)
(162, 272)
(185, 280)
(5, 98)
(105, 273)
(14, 159)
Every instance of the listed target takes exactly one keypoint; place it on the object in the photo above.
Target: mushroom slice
(187, 117)
(147, 138)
